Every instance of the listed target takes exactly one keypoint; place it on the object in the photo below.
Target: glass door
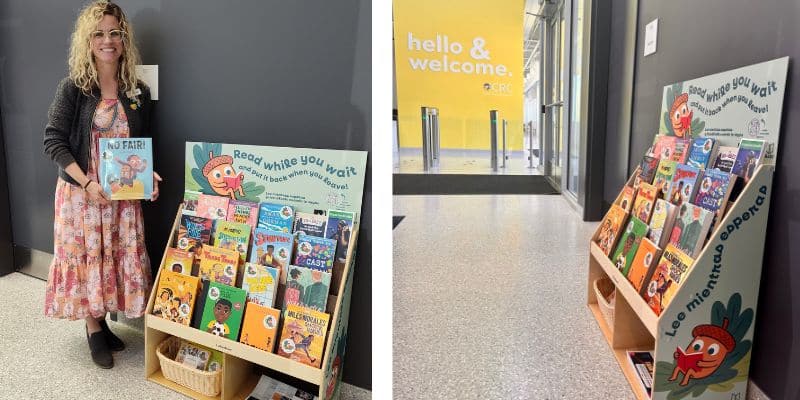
(555, 84)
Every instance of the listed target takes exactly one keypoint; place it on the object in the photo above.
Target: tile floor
(42, 358)
(490, 302)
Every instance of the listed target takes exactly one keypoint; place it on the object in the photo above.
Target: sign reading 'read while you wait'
(308, 179)
(745, 103)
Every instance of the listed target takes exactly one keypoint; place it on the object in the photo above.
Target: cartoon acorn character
(705, 354)
(681, 116)
(222, 176)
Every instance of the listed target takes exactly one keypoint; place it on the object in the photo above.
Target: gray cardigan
(67, 136)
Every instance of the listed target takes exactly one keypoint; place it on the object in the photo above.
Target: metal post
(505, 125)
(425, 139)
(435, 139)
(493, 137)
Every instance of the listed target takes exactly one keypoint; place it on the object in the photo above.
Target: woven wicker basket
(206, 383)
(606, 295)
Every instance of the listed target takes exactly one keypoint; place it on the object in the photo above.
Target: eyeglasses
(115, 35)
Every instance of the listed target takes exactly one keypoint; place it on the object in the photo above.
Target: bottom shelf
(241, 393)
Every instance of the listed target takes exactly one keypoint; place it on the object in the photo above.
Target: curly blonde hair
(82, 67)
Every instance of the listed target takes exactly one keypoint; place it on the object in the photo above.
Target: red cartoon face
(681, 116)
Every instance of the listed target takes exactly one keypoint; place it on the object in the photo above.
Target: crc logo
(497, 89)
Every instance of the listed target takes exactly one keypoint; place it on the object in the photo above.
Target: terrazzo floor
(490, 302)
(42, 358)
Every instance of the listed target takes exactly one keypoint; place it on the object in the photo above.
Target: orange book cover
(303, 335)
(645, 200)
(667, 277)
(260, 326)
(219, 265)
(645, 258)
(179, 261)
(610, 228)
(175, 296)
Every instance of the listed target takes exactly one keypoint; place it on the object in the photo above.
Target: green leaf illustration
(201, 180)
(189, 181)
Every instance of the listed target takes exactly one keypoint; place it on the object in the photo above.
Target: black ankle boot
(101, 355)
(114, 343)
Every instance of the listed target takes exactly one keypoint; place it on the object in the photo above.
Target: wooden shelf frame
(637, 327)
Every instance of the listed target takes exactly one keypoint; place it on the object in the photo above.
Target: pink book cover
(212, 207)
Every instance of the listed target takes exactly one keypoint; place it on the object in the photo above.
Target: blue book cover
(273, 249)
(684, 184)
(702, 152)
(714, 190)
(340, 228)
(126, 168)
(276, 217)
(315, 252)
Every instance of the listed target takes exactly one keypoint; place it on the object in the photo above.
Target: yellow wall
(437, 29)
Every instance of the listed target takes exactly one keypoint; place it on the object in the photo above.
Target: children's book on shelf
(223, 311)
(193, 233)
(200, 304)
(703, 152)
(646, 256)
(671, 148)
(663, 178)
(310, 224)
(276, 217)
(126, 168)
(628, 244)
(339, 228)
(243, 212)
(307, 287)
(219, 265)
(726, 158)
(260, 326)
(175, 296)
(179, 261)
(272, 248)
(216, 361)
(315, 252)
(643, 363)
(303, 335)
(271, 389)
(661, 221)
(610, 228)
(645, 199)
(193, 355)
(190, 199)
(748, 158)
(212, 207)
(261, 284)
(714, 191)
(690, 229)
(666, 278)
(626, 201)
(233, 236)
(684, 184)
(647, 171)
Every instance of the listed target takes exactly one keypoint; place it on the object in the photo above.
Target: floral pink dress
(100, 262)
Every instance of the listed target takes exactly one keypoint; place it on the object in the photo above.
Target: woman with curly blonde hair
(100, 262)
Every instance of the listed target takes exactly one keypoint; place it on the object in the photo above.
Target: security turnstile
(493, 138)
(430, 138)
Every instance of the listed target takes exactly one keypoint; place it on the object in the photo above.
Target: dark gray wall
(702, 38)
(283, 73)
(6, 257)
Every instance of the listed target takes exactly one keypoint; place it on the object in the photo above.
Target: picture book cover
(672, 148)
(276, 217)
(224, 309)
(200, 304)
(667, 278)
(643, 363)
(190, 199)
(193, 356)
(315, 252)
(272, 248)
(261, 284)
(303, 335)
(193, 233)
(626, 201)
(748, 158)
(125, 168)
(690, 229)
(179, 261)
(339, 228)
(175, 296)
(212, 207)
(233, 236)
(610, 228)
(645, 199)
(243, 212)
(661, 221)
(663, 178)
(646, 256)
(260, 326)
(715, 190)
(703, 152)
(271, 389)
(310, 224)
(726, 158)
(219, 265)
(628, 244)
(647, 171)
(684, 184)
(307, 287)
